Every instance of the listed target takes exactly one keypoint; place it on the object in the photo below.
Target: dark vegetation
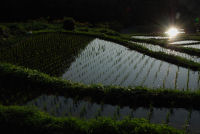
(151, 15)
(69, 24)
(34, 122)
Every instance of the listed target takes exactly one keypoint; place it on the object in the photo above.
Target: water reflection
(185, 42)
(157, 48)
(197, 46)
(150, 37)
(60, 106)
(112, 64)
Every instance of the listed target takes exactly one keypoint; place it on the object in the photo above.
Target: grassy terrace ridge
(15, 119)
(124, 40)
(164, 43)
(16, 80)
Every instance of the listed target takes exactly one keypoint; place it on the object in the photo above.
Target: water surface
(109, 63)
(61, 106)
(197, 46)
(150, 37)
(157, 48)
(185, 42)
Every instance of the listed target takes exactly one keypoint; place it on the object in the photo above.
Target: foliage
(69, 24)
(28, 120)
(16, 29)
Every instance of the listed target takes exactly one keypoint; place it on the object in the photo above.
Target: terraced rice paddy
(112, 64)
(100, 61)
(185, 42)
(60, 106)
(50, 53)
(92, 61)
(197, 46)
(157, 48)
(150, 37)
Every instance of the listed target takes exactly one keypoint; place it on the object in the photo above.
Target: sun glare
(172, 32)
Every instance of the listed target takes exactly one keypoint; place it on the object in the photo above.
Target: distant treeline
(127, 12)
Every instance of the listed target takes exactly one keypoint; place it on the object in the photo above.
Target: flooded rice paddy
(197, 46)
(61, 106)
(157, 48)
(150, 37)
(109, 63)
(185, 42)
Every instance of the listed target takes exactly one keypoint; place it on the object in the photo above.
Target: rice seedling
(83, 111)
(50, 53)
(167, 117)
(150, 113)
(187, 122)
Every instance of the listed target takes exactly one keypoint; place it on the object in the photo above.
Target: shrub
(16, 29)
(35, 25)
(69, 24)
(109, 32)
(4, 32)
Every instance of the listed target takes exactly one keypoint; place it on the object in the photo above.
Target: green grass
(15, 119)
(16, 82)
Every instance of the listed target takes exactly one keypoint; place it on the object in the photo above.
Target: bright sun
(172, 32)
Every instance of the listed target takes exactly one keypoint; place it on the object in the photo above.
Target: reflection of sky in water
(112, 64)
(60, 106)
(185, 42)
(150, 37)
(157, 48)
(197, 46)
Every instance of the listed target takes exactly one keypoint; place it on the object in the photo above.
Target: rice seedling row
(48, 53)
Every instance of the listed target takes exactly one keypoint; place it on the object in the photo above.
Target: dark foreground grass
(17, 81)
(26, 120)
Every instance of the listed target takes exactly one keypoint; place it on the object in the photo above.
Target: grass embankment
(50, 53)
(15, 119)
(19, 81)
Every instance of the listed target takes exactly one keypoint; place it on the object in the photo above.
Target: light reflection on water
(61, 106)
(197, 46)
(112, 64)
(151, 37)
(157, 48)
(184, 42)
